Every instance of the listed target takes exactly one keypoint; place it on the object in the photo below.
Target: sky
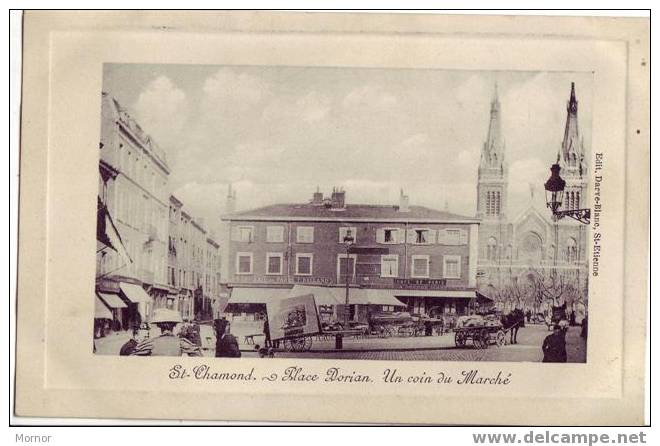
(278, 133)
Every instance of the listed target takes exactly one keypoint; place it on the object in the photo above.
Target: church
(521, 254)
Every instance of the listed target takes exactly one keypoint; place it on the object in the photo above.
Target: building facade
(136, 196)
(193, 266)
(517, 250)
(400, 257)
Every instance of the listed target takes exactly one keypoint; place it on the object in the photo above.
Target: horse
(513, 322)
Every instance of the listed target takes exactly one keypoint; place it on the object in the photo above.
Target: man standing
(554, 346)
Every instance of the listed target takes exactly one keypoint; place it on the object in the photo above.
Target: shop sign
(312, 280)
(420, 284)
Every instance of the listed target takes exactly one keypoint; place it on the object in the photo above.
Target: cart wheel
(476, 339)
(459, 339)
(308, 344)
(500, 338)
(405, 331)
(485, 338)
(296, 345)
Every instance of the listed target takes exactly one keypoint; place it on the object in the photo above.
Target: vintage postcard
(276, 209)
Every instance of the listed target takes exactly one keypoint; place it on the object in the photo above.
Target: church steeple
(570, 157)
(492, 153)
(571, 154)
(492, 185)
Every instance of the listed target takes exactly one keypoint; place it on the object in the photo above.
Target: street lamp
(348, 242)
(554, 193)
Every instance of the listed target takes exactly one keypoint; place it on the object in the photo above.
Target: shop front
(249, 303)
(138, 304)
(437, 303)
(115, 304)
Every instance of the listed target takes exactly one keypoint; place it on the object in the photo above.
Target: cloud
(313, 106)
(369, 96)
(232, 87)
(162, 111)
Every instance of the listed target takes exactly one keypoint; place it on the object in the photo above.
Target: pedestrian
(554, 346)
(441, 325)
(572, 319)
(266, 330)
(226, 345)
(129, 346)
(167, 344)
(529, 316)
(585, 327)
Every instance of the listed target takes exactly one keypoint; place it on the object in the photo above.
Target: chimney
(230, 206)
(404, 204)
(317, 198)
(338, 198)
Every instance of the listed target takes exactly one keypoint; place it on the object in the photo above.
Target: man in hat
(226, 345)
(167, 344)
(554, 346)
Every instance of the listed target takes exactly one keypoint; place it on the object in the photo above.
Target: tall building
(193, 266)
(136, 196)
(517, 249)
(401, 257)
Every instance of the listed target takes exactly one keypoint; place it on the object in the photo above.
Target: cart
(481, 337)
(388, 324)
(303, 343)
(481, 333)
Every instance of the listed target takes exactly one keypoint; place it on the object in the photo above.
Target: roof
(351, 212)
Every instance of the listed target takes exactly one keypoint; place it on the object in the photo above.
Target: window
(420, 266)
(243, 234)
(388, 308)
(343, 267)
(304, 264)
(244, 263)
(274, 262)
(451, 267)
(275, 234)
(389, 265)
(305, 234)
(421, 236)
(453, 236)
(388, 236)
(343, 232)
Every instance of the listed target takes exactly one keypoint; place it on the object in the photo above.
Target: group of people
(187, 342)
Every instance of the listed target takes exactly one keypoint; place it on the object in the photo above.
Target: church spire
(492, 153)
(571, 154)
(492, 172)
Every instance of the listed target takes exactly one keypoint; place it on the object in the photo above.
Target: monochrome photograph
(243, 216)
(343, 213)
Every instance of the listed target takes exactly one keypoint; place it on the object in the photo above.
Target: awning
(322, 295)
(112, 300)
(134, 293)
(435, 293)
(257, 295)
(382, 297)
(100, 310)
(482, 296)
(106, 232)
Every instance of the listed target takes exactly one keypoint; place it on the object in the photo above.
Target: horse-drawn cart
(480, 331)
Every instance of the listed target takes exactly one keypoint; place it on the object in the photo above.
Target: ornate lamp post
(554, 194)
(348, 242)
